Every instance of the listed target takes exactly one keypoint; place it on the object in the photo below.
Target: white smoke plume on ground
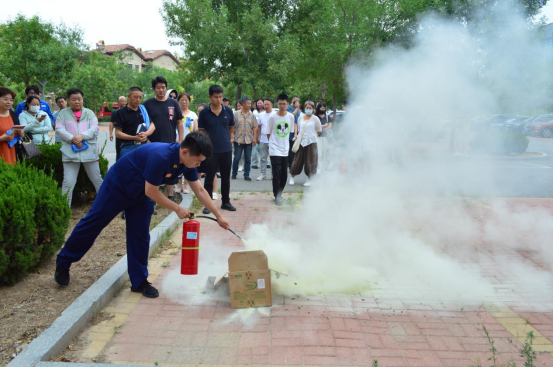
(397, 221)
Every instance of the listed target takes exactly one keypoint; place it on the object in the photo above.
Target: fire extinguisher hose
(229, 229)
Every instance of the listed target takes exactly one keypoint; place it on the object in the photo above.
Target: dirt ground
(32, 305)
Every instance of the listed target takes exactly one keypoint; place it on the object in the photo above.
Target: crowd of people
(256, 135)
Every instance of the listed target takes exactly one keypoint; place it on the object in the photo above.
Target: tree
(235, 42)
(95, 77)
(32, 50)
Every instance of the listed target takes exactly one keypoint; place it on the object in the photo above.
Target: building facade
(136, 59)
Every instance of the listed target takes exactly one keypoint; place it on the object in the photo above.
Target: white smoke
(397, 212)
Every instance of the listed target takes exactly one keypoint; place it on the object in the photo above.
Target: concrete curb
(53, 340)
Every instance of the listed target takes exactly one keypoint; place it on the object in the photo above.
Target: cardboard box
(249, 279)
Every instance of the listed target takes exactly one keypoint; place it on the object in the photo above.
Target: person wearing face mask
(323, 141)
(37, 123)
(33, 90)
(306, 157)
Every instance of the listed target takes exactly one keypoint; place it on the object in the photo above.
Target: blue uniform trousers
(111, 200)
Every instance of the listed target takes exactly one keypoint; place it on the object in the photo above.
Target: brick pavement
(195, 327)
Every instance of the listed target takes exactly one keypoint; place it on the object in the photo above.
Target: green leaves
(31, 50)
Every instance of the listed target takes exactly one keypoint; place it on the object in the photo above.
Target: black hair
(270, 100)
(198, 143)
(226, 99)
(282, 97)
(295, 97)
(202, 105)
(256, 101)
(238, 102)
(134, 89)
(215, 88)
(184, 94)
(157, 80)
(59, 98)
(74, 91)
(320, 105)
(29, 100)
(33, 88)
(345, 102)
(244, 99)
(6, 91)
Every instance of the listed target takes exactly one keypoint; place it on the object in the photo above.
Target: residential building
(136, 59)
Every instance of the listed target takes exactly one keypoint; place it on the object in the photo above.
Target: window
(130, 66)
(136, 67)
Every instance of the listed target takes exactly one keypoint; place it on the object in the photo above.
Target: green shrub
(500, 142)
(104, 119)
(34, 218)
(50, 162)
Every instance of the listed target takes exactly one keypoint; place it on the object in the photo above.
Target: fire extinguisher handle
(192, 216)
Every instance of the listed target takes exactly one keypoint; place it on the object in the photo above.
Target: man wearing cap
(132, 185)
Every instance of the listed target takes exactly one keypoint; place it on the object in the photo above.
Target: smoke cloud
(397, 213)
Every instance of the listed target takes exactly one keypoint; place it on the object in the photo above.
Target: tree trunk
(238, 93)
(334, 103)
(254, 93)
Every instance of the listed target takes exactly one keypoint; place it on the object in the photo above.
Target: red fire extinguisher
(190, 246)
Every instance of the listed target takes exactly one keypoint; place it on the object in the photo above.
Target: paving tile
(392, 323)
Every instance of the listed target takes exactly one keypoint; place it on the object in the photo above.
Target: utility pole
(42, 84)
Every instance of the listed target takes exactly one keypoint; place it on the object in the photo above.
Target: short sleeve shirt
(262, 121)
(245, 126)
(164, 115)
(127, 120)
(291, 110)
(279, 128)
(217, 127)
(155, 163)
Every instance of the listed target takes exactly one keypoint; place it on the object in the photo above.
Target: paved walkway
(188, 325)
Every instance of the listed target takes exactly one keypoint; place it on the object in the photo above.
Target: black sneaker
(268, 166)
(255, 167)
(247, 178)
(233, 177)
(219, 175)
(228, 207)
(203, 176)
(155, 212)
(172, 198)
(62, 276)
(206, 211)
(146, 289)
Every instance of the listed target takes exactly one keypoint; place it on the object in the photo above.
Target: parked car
(106, 111)
(542, 126)
(339, 115)
(517, 124)
(497, 121)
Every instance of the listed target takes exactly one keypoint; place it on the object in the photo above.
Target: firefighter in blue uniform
(132, 185)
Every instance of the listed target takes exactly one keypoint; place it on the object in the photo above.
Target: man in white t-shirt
(263, 141)
(278, 130)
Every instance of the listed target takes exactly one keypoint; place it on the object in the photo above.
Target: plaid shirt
(244, 127)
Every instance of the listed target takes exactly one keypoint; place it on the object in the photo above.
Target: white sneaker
(261, 177)
(307, 183)
(291, 182)
(214, 196)
(240, 168)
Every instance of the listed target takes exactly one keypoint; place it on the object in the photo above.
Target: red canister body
(190, 247)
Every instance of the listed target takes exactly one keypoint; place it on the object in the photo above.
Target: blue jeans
(238, 149)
